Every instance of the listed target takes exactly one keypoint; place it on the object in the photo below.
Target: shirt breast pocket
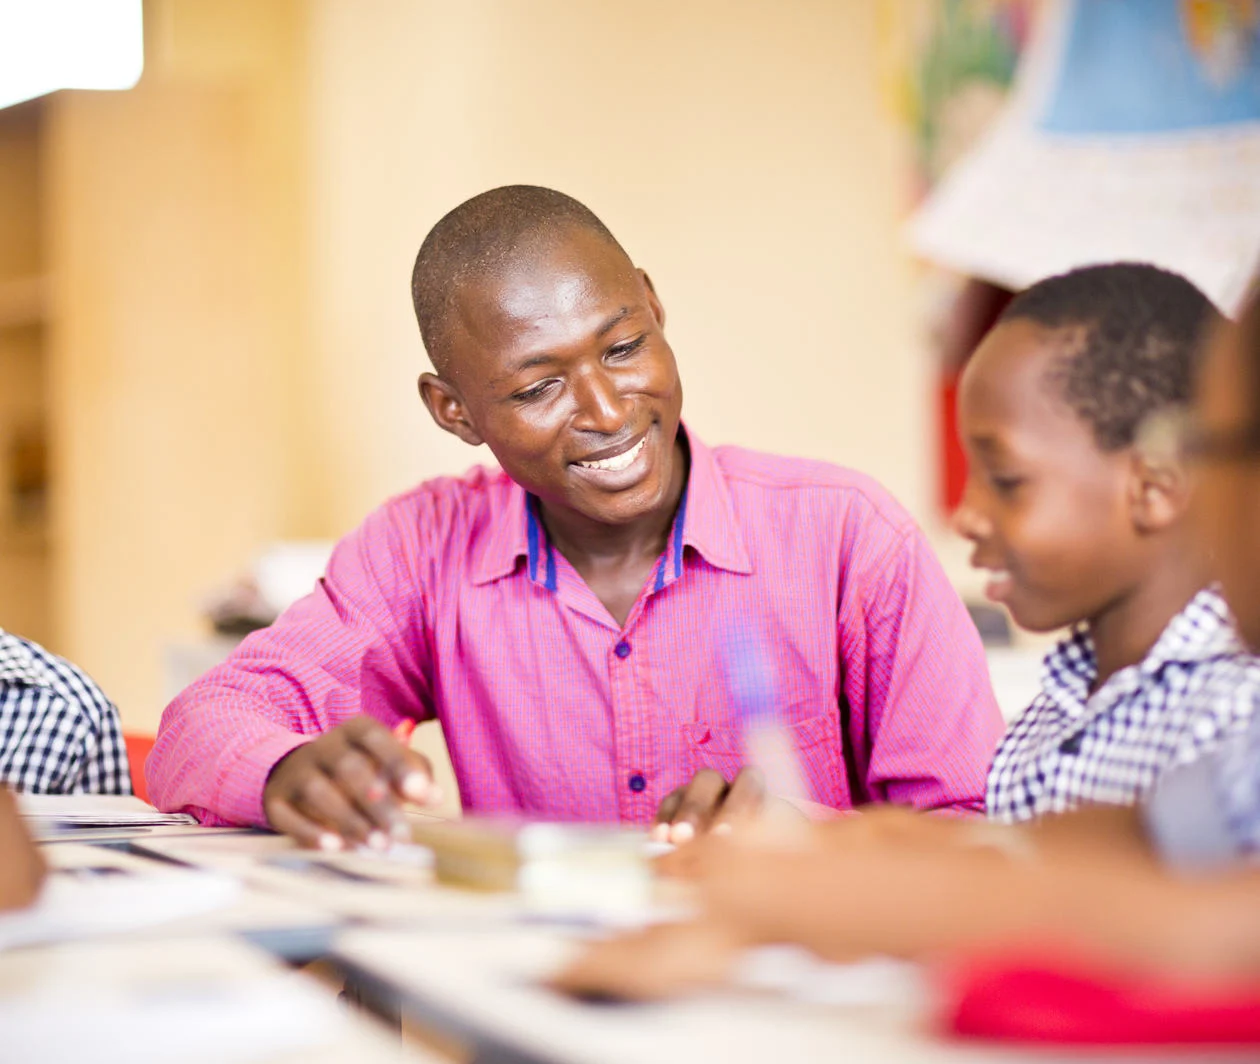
(814, 736)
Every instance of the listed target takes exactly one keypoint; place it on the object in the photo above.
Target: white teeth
(617, 462)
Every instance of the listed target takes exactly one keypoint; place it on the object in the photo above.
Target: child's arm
(21, 866)
(923, 901)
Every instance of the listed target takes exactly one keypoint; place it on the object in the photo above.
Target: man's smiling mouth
(617, 462)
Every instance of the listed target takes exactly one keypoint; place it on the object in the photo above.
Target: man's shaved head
(480, 239)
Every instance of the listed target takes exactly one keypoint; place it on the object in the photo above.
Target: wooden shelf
(23, 301)
(25, 538)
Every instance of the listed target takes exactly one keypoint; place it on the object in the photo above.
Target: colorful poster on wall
(949, 66)
(1128, 130)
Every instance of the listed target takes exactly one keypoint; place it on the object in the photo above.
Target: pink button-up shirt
(449, 601)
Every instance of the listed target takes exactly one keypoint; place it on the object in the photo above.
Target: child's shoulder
(25, 661)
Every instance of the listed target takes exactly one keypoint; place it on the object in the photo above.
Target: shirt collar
(1202, 630)
(705, 521)
(507, 537)
(711, 526)
(18, 663)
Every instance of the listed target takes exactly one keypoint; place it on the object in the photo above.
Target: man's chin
(619, 508)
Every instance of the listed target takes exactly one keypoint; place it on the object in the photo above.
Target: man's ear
(1159, 491)
(446, 407)
(654, 301)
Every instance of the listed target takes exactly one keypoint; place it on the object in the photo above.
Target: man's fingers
(745, 798)
(700, 801)
(408, 772)
(349, 783)
(361, 780)
(288, 821)
(665, 814)
(320, 799)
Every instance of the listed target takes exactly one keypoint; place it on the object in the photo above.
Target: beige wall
(174, 236)
(739, 151)
(234, 354)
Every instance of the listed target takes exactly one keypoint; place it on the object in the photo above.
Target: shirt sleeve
(105, 768)
(357, 644)
(1207, 813)
(84, 746)
(923, 720)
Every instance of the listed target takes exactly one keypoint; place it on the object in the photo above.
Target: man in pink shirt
(570, 620)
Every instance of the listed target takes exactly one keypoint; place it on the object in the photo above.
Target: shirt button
(622, 650)
(637, 782)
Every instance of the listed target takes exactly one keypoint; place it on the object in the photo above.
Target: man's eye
(536, 392)
(620, 351)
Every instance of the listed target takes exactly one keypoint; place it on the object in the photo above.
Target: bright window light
(46, 45)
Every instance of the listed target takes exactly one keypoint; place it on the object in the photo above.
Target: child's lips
(999, 586)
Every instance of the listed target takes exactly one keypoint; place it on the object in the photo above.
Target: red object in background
(1071, 1003)
(953, 474)
(138, 747)
(972, 314)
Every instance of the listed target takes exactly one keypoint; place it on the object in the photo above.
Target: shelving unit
(25, 545)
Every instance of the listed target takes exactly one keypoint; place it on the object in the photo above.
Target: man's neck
(586, 543)
(1127, 630)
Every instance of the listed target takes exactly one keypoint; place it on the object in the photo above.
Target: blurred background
(206, 341)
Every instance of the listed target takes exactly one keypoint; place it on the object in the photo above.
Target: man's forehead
(544, 298)
(529, 297)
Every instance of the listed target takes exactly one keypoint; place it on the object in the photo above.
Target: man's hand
(21, 864)
(347, 787)
(709, 803)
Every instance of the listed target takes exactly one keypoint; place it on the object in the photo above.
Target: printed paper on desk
(47, 812)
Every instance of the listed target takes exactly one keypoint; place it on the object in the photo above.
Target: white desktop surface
(484, 988)
(180, 999)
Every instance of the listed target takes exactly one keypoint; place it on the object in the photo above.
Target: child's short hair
(1140, 329)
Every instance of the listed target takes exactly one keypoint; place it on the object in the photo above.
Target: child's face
(1046, 509)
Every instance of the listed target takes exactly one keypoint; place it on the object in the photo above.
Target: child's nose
(970, 523)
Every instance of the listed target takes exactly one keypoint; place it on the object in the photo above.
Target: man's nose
(601, 407)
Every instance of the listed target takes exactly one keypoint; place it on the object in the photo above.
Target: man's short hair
(479, 239)
(1140, 331)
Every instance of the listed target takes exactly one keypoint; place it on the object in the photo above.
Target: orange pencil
(403, 731)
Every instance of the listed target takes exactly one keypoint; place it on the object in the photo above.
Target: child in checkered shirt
(1082, 523)
(59, 734)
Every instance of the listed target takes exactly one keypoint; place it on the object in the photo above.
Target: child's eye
(622, 351)
(1005, 485)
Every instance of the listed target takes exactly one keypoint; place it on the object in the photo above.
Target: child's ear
(1159, 492)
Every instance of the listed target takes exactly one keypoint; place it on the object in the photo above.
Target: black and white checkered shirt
(58, 733)
(1197, 685)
